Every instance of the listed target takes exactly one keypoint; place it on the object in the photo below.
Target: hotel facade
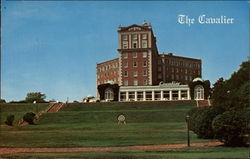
(141, 73)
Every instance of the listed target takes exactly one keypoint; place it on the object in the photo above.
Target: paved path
(100, 149)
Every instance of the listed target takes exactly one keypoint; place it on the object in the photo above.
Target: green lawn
(80, 125)
(19, 109)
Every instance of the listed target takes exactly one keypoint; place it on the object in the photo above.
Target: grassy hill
(19, 109)
(95, 124)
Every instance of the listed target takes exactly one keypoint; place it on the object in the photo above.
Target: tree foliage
(201, 121)
(29, 117)
(232, 127)
(234, 92)
(35, 96)
(227, 120)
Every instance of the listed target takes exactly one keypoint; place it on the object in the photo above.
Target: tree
(232, 127)
(35, 96)
(234, 92)
(2, 101)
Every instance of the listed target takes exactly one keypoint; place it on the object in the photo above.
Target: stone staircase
(203, 103)
(55, 107)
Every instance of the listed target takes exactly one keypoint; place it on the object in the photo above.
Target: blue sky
(53, 47)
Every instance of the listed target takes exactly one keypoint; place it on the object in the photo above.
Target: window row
(135, 44)
(135, 36)
(181, 63)
(134, 64)
(107, 67)
(180, 70)
(135, 73)
(134, 54)
(135, 82)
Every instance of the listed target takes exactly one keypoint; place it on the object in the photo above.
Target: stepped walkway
(203, 103)
(54, 107)
(104, 149)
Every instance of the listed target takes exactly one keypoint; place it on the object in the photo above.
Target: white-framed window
(109, 94)
(144, 36)
(125, 64)
(144, 63)
(135, 82)
(125, 73)
(125, 55)
(135, 73)
(144, 43)
(134, 64)
(125, 44)
(145, 54)
(134, 36)
(124, 37)
(125, 82)
(145, 72)
(145, 82)
(134, 54)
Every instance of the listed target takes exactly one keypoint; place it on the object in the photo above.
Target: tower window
(125, 73)
(134, 64)
(135, 82)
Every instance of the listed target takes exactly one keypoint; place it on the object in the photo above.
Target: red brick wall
(108, 71)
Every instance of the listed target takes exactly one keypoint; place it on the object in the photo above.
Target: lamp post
(188, 137)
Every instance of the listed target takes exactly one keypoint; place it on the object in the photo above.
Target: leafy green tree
(232, 127)
(35, 96)
(234, 92)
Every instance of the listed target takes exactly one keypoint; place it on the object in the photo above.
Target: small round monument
(121, 119)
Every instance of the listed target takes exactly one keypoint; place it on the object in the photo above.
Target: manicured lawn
(95, 125)
(218, 152)
(19, 109)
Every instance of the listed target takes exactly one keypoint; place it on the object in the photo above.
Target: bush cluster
(10, 119)
(228, 118)
(29, 117)
(201, 121)
(232, 127)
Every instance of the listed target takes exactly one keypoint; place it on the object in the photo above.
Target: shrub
(9, 120)
(232, 127)
(29, 117)
(201, 121)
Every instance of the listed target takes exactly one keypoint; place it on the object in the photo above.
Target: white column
(188, 94)
(119, 96)
(135, 95)
(161, 94)
(153, 95)
(170, 95)
(179, 94)
(144, 95)
(127, 96)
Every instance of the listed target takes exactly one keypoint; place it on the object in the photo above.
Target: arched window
(109, 94)
(198, 92)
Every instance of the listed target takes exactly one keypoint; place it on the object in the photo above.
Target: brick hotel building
(141, 73)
